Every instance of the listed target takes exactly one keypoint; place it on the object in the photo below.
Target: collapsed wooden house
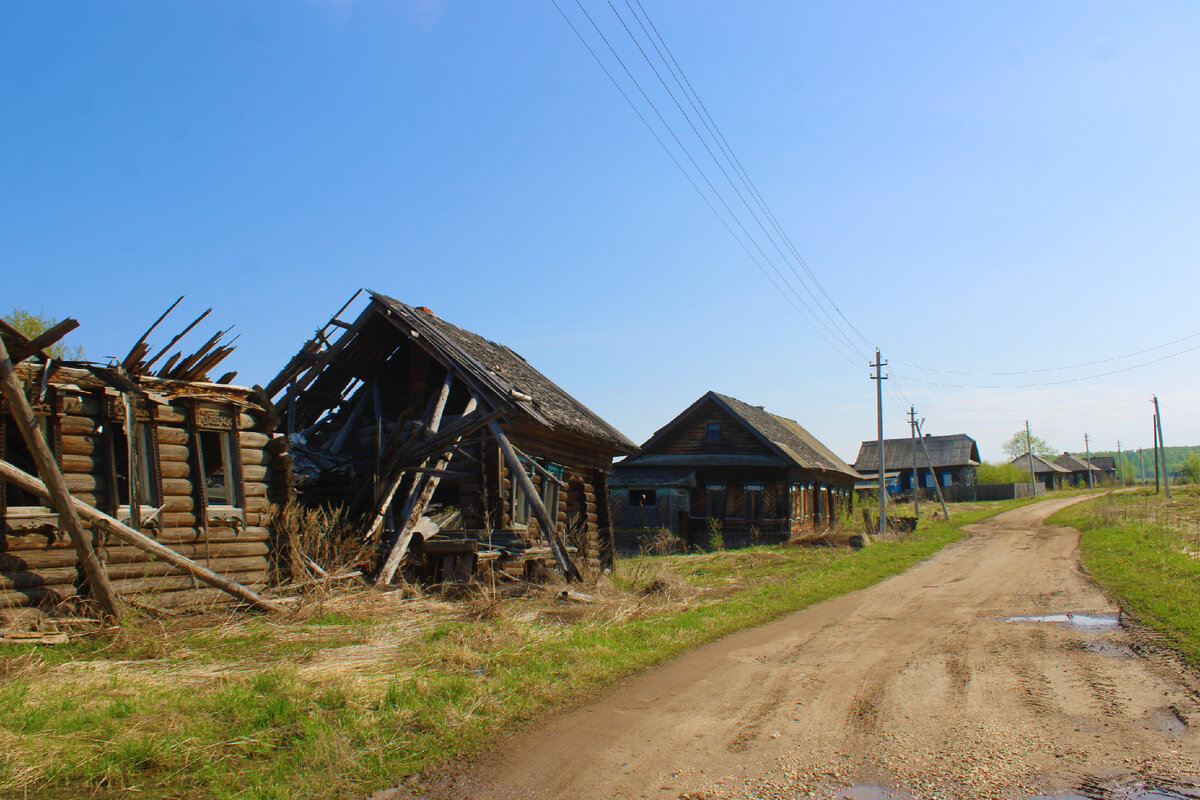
(184, 467)
(456, 454)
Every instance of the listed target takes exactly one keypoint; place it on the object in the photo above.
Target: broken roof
(952, 450)
(787, 438)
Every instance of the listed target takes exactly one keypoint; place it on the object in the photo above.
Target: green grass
(257, 729)
(1144, 553)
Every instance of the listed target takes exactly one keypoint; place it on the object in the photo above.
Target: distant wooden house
(190, 463)
(950, 460)
(1078, 470)
(1106, 468)
(1045, 472)
(452, 449)
(727, 468)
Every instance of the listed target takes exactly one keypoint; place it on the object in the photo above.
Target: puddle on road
(867, 791)
(1168, 720)
(1083, 622)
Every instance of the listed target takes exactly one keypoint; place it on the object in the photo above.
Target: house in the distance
(1077, 469)
(729, 469)
(1045, 472)
(949, 460)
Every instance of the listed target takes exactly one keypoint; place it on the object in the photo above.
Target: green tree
(1190, 469)
(1016, 445)
(989, 474)
(32, 325)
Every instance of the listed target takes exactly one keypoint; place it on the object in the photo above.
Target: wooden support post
(128, 535)
(535, 501)
(56, 493)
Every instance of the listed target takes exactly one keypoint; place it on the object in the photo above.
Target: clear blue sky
(979, 187)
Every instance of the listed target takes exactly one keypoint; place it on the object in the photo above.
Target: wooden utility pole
(60, 498)
(1163, 447)
(1157, 480)
(1120, 463)
(879, 379)
(1087, 449)
(937, 486)
(916, 486)
(1029, 449)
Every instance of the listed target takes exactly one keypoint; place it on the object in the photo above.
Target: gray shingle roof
(952, 450)
(786, 437)
(508, 376)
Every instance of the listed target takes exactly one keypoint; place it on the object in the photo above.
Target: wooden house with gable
(456, 453)
(949, 460)
(1079, 471)
(1047, 473)
(188, 464)
(728, 467)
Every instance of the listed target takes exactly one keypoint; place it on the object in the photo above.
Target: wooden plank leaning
(54, 490)
(128, 535)
(418, 500)
(549, 529)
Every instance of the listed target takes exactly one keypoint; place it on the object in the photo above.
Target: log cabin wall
(179, 432)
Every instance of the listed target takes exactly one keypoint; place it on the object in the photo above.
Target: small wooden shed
(454, 451)
(186, 461)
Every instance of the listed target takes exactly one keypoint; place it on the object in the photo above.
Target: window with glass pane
(217, 465)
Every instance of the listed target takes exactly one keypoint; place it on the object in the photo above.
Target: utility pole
(937, 485)
(916, 485)
(879, 378)
(1157, 482)
(1029, 452)
(1087, 449)
(1163, 447)
(1142, 466)
(1120, 463)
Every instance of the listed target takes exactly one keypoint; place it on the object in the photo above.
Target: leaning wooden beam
(57, 494)
(128, 535)
(40, 343)
(432, 422)
(549, 529)
(418, 501)
(139, 349)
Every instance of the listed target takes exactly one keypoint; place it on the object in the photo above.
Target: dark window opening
(147, 488)
(712, 431)
(217, 465)
(643, 497)
(14, 450)
(754, 503)
(714, 501)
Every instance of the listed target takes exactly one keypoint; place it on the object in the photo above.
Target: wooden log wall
(37, 561)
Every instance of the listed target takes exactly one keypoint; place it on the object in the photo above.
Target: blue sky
(979, 187)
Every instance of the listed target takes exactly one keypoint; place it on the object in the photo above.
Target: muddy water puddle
(1083, 622)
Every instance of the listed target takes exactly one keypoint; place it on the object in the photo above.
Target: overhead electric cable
(837, 348)
(726, 148)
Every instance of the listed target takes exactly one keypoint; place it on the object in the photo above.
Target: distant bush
(990, 474)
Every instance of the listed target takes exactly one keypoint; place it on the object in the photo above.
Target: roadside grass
(1146, 553)
(361, 689)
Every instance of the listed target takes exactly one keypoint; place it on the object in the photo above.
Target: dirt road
(917, 683)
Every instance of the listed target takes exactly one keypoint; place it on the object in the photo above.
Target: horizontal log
(78, 463)
(257, 504)
(174, 452)
(170, 583)
(174, 469)
(22, 546)
(255, 457)
(37, 596)
(277, 446)
(73, 425)
(251, 533)
(253, 441)
(197, 598)
(82, 483)
(254, 489)
(253, 473)
(81, 445)
(178, 503)
(176, 487)
(168, 435)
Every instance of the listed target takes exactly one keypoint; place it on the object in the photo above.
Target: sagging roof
(1040, 465)
(1105, 463)
(510, 377)
(952, 450)
(792, 444)
(1073, 464)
